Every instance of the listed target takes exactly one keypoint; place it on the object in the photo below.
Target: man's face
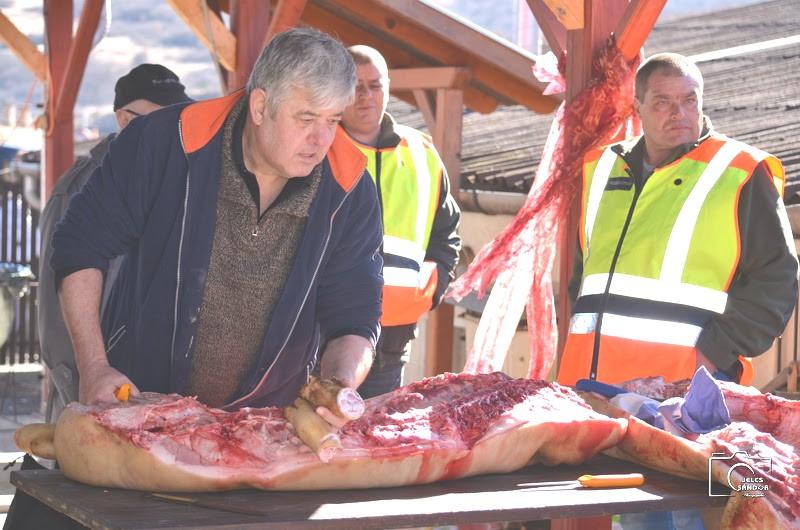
(372, 95)
(671, 110)
(293, 141)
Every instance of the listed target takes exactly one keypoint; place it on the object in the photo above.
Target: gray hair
(304, 59)
(670, 63)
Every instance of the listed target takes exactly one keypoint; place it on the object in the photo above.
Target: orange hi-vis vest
(408, 177)
(674, 268)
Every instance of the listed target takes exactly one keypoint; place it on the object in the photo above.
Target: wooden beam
(488, 75)
(396, 56)
(601, 17)
(553, 30)
(439, 334)
(636, 24)
(249, 20)
(427, 108)
(429, 78)
(209, 28)
(447, 138)
(287, 15)
(78, 56)
(23, 48)
(568, 12)
(58, 141)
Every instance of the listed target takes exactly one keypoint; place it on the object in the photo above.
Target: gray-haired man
(250, 243)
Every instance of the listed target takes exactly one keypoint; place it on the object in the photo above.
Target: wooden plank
(505, 76)
(25, 50)
(249, 20)
(352, 32)
(78, 56)
(525, 495)
(569, 12)
(553, 30)
(602, 522)
(429, 78)
(447, 139)
(287, 15)
(635, 25)
(58, 142)
(209, 28)
(427, 108)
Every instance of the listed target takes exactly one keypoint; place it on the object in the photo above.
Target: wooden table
(532, 493)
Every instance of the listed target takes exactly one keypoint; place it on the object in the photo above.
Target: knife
(626, 480)
(206, 503)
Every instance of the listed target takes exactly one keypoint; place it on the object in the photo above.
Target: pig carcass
(440, 428)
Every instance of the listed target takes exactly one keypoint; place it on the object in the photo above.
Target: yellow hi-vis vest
(675, 266)
(408, 177)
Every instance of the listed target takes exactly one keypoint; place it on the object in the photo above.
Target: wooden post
(249, 22)
(447, 139)
(78, 55)
(59, 143)
(600, 19)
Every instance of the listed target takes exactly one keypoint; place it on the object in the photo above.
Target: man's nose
(322, 136)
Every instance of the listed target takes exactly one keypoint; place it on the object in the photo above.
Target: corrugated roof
(754, 97)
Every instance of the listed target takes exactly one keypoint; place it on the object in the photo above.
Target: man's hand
(348, 359)
(98, 383)
(702, 360)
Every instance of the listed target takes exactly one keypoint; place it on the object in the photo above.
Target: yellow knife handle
(627, 480)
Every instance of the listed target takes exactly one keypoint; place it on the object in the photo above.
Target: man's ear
(123, 118)
(258, 105)
(636, 106)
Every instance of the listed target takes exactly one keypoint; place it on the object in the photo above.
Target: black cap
(152, 82)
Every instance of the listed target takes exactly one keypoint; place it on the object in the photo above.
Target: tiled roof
(754, 97)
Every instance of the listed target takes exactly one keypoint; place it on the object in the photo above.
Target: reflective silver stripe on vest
(657, 290)
(638, 329)
(599, 180)
(682, 231)
(402, 247)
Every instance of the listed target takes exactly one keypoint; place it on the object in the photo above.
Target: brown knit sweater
(250, 261)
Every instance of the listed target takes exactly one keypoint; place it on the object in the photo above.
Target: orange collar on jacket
(202, 120)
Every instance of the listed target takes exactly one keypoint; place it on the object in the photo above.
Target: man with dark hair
(252, 238)
(420, 217)
(145, 88)
(687, 255)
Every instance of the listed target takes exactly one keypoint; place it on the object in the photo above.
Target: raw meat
(656, 387)
(440, 428)
(658, 449)
(766, 412)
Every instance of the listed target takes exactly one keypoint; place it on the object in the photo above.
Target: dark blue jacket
(154, 198)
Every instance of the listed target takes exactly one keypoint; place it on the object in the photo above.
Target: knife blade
(205, 503)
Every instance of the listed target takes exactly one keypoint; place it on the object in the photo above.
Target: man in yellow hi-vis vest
(420, 217)
(687, 257)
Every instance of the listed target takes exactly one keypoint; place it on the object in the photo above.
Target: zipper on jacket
(302, 304)
(180, 253)
(604, 300)
(378, 179)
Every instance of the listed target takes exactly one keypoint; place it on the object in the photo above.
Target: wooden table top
(532, 493)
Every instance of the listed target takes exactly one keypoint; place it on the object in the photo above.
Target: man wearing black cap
(146, 88)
